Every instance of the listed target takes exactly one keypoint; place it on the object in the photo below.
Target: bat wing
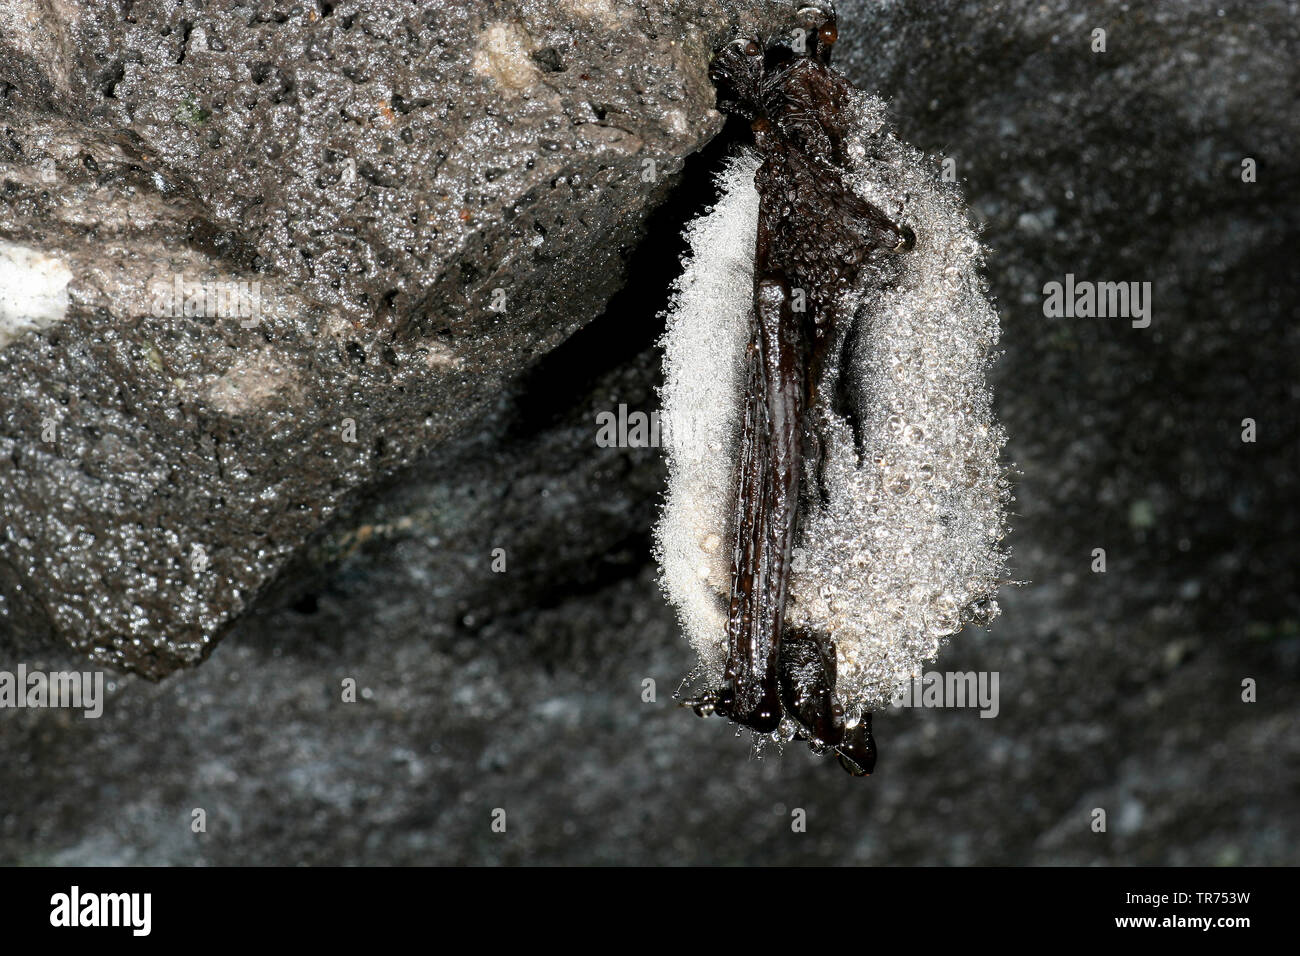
(766, 507)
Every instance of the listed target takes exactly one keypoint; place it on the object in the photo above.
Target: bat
(821, 250)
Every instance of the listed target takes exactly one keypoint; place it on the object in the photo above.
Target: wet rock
(259, 257)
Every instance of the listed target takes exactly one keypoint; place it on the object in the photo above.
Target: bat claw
(857, 751)
(704, 706)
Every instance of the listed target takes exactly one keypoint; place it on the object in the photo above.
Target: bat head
(743, 69)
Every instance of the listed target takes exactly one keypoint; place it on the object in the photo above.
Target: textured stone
(427, 198)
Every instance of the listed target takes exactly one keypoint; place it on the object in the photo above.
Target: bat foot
(798, 704)
(703, 706)
(762, 716)
(855, 750)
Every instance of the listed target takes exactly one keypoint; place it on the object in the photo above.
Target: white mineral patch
(906, 549)
(249, 385)
(33, 290)
(503, 55)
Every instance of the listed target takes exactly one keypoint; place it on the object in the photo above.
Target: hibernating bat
(836, 499)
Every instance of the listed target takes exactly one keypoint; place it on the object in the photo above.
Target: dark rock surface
(522, 689)
(429, 196)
